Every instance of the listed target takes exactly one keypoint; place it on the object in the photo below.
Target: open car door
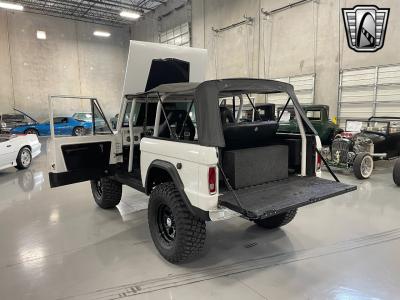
(89, 154)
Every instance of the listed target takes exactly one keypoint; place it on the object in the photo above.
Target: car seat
(226, 116)
(176, 120)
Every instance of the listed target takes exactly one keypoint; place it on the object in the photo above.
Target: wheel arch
(161, 171)
(26, 146)
(32, 128)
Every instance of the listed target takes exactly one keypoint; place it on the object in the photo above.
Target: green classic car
(319, 117)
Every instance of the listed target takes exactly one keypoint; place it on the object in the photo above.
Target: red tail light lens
(212, 180)
(318, 162)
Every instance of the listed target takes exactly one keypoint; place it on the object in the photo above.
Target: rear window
(314, 115)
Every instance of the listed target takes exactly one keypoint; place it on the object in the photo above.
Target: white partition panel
(303, 86)
(366, 92)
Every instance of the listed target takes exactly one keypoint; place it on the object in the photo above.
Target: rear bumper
(266, 200)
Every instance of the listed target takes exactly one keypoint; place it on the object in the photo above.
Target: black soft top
(227, 87)
(206, 97)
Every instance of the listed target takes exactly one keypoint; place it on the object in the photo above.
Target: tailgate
(272, 198)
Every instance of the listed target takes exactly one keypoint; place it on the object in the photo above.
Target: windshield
(372, 126)
(87, 117)
(288, 115)
(139, 114)
(56, 120)
(391, 126)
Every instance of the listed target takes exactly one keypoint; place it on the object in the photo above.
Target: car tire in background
(277, 221)
(363, 165)
(396, 172)
(106, 192)
(78, 131)
(31, 131)
(24, 158)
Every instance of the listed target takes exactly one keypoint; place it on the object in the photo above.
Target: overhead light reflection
(130, 14)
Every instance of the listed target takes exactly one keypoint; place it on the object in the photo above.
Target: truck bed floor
(272, 198)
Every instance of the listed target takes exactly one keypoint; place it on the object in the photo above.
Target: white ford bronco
(185, 145)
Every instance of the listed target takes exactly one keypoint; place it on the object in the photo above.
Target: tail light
(212, 180)
(318, 164)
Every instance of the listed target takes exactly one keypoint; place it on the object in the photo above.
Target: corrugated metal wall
(303, 86)
(366, 92)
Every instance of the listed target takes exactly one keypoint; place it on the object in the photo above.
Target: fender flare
(173, 173)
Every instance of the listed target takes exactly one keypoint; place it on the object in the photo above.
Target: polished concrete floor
(57, 244)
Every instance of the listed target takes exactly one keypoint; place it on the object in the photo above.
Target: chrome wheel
(79, 131)
(31, 131)
(367, 165)
(26, 157)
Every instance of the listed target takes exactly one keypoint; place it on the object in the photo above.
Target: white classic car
(18, 150)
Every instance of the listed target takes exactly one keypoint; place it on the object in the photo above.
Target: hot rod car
(363, 142)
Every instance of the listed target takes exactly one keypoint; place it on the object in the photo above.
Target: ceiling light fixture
(13, 6)
(102, 33)
(130, 14)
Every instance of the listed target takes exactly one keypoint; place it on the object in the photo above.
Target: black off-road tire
(185, 238)
(396, 173)
(277, 221)
(31, 131)
(21, 163)
(357, 165)
(106, 192)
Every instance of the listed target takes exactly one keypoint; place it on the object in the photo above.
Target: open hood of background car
(28, 116)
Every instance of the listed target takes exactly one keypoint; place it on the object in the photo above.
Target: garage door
(366, 92)
(303, 86)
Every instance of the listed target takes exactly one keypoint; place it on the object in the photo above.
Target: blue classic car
(62, 126)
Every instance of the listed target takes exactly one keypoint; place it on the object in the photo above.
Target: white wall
(70, 61)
